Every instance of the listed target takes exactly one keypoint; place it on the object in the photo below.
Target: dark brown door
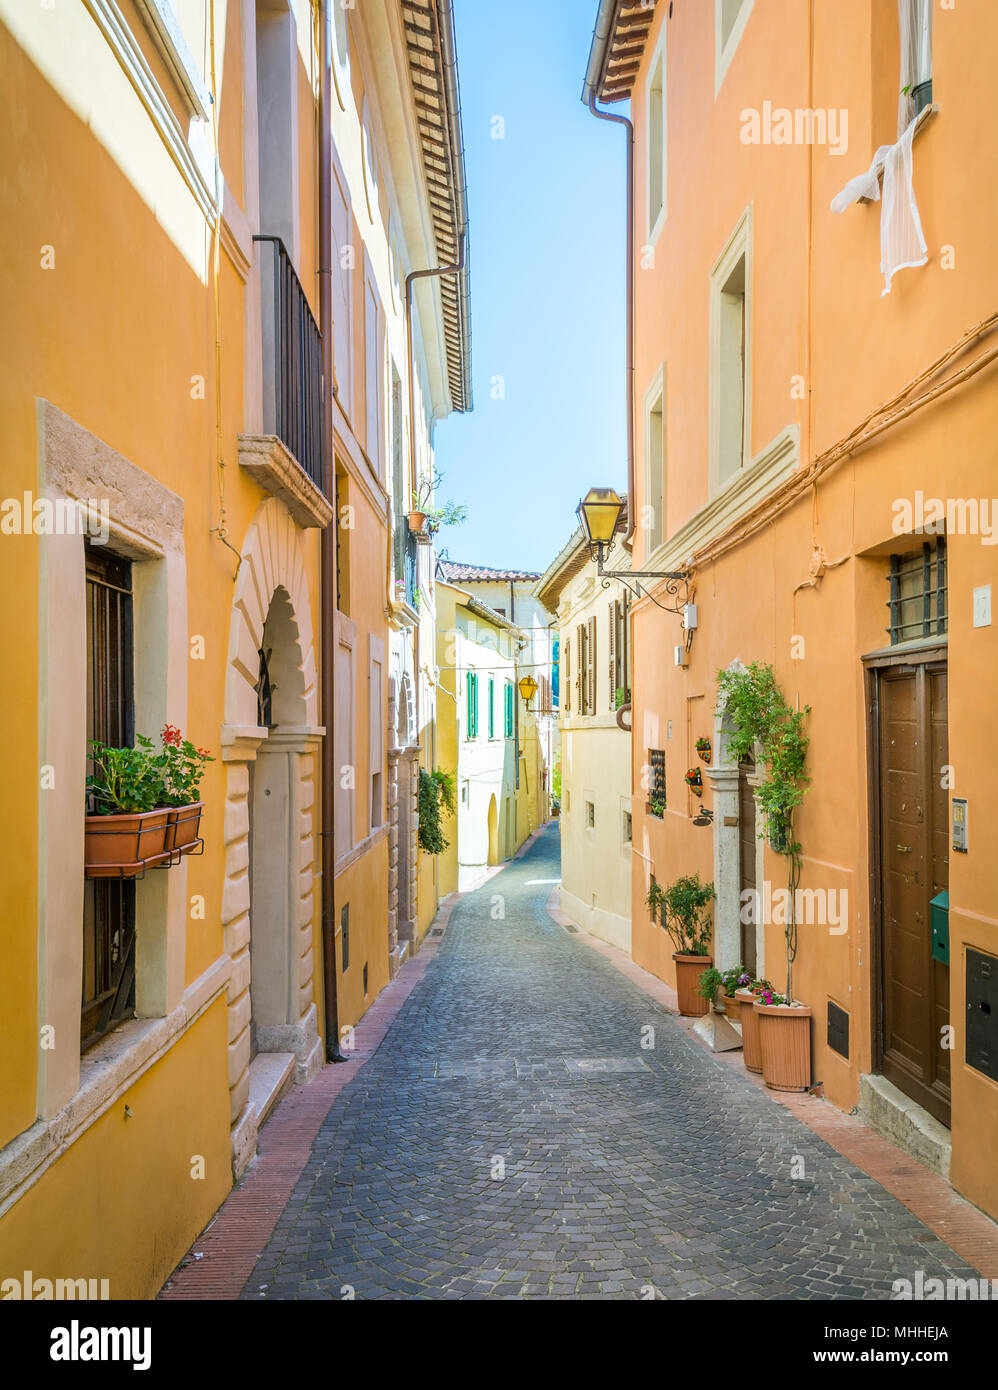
(747, 847)
(914, 866)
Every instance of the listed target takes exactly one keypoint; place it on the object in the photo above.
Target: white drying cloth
(901, 241)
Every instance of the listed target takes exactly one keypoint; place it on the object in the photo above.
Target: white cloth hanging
(901, 241)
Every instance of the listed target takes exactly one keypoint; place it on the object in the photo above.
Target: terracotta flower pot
(751, 1051)
(182, 827)
(688, 971)
(124, 846)
(732, 1007)
(417, 521)
(785, 1040)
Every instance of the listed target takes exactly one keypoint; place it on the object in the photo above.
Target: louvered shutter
(612, 630)
(580, 667)
(566, 675)
(591, 668)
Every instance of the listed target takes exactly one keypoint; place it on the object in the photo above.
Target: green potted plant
(183, 767)
(684, 911)
(126, 821)
(718, 988)
(656, 807)
(761, 717)
(450, 514)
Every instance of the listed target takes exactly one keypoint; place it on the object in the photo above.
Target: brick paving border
(927, 1196)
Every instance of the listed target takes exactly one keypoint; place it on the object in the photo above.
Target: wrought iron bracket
(677, 581)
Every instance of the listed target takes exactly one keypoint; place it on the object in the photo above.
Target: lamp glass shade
(528, 688)
(599, 511)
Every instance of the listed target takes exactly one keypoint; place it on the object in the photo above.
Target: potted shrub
(655, 806)
(746, 996)
(426, 520)
(784, 1041)
(684, 910)
(126, 823)
(182, 766)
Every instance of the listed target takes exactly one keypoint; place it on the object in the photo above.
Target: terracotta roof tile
(455, 572)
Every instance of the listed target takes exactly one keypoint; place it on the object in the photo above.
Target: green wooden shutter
(492, 718)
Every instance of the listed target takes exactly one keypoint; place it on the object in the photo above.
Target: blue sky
(547, 286)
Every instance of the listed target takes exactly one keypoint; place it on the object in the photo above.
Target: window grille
(108, 986)
(917, 602)
(656, 787)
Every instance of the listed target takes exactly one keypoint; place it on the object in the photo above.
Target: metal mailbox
(939, 913)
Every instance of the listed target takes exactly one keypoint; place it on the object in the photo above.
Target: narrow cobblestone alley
(512, 1137)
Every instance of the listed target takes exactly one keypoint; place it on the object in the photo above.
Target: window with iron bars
(656, 781)
(917, 602)
(108, 995)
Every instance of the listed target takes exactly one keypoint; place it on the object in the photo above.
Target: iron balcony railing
(411, 568)
(292, 355)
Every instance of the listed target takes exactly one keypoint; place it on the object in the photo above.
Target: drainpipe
(328, 595)
(601, 35)
(444, 16)
(414, 275)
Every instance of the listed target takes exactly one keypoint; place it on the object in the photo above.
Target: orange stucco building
(792, 423)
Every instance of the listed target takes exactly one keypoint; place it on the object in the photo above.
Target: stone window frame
(739, 246)
(724, 50)
(145, 524)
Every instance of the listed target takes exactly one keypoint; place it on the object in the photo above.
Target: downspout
(601, 35)
(328, 596)
(444, 17)
(409, 280)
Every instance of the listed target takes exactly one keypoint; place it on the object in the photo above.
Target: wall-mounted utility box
(939, 911)
(982, 1012)
(838, 1029)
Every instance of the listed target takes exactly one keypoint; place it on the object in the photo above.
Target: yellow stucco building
(190, 433)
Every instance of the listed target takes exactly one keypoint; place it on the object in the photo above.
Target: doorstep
(271, 1076)
(901, 1120)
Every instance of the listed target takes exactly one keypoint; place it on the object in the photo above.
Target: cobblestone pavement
(513, 1138)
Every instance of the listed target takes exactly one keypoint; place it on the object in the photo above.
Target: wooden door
(913, 867)
(747, 852)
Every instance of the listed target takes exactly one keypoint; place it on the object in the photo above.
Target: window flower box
(182, 828)
(142, 808)
(125, 846)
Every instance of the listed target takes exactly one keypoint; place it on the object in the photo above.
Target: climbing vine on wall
(436, 798)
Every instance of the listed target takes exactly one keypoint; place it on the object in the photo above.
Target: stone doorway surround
(272, 561)
(723, 777)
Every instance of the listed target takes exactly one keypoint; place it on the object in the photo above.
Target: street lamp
(528, 688)
(600, 512)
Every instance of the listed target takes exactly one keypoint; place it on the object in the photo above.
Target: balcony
(286, 460)
(405, 599)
